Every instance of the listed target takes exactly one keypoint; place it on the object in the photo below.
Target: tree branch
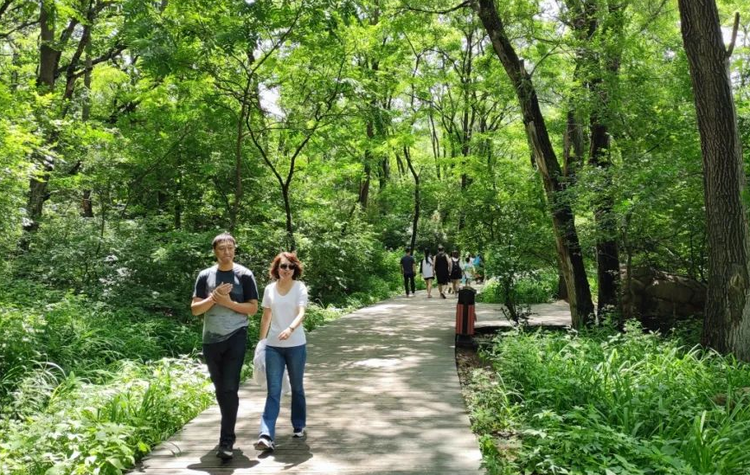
(734, 34)
(441, 12)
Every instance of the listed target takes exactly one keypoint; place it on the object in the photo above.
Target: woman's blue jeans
(277, 358)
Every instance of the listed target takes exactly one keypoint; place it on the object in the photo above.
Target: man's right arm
(202, 299)
(200, 306)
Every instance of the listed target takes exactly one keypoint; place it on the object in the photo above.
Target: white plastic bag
(259, 369)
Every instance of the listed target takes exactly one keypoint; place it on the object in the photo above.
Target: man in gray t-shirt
(225, 295)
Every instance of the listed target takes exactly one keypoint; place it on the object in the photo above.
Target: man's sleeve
(200, 286)
(249, 288)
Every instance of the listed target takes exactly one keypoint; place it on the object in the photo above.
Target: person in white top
(284, 303)
(428, 272)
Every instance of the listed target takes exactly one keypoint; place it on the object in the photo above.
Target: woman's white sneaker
(264, 444)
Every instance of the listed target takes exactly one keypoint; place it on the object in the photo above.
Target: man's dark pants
(409, 279)
(224, 361)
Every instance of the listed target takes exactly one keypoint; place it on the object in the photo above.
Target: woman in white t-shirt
(284, 303)
(427, 267)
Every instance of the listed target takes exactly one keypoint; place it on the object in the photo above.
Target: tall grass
(86, 428)
(612, 403)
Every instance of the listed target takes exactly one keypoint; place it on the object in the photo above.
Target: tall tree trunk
(573, 150)
(87, 208)
(239, 139)
(607, 251)
(435, 140)
(288, 211)
(568, 246)
(573, 147)
(727, 321)
(47, 55)
(415, 221)
(364, 185)
(45, 84)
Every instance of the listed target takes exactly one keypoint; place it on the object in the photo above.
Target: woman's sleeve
(302, 296)
(267, 296)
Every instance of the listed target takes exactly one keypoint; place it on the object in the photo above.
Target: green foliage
(103, 428)
(534, 287)
(76, 334)
(346, 265)
(606, 402)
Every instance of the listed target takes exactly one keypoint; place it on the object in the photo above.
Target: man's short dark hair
(223, 237)
(408, 250)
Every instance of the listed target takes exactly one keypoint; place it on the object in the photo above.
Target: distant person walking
(408, 270)
(455, 268)
(225, 295)
(478, 269)
(284, 303)
(442, 270)
(427, 268)
(467, 267)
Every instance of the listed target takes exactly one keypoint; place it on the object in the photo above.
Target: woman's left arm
(294, 325)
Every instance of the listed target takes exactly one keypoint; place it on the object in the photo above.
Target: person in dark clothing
(455, 271)
(225, 295)
(408, 270)
(442, 270)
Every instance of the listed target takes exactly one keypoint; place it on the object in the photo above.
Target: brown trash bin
(465, 317)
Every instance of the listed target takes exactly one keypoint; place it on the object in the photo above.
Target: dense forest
(577, 145)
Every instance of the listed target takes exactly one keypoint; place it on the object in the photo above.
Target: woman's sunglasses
(287, 266)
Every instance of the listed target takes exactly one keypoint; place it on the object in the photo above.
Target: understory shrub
(346, 265)
(528, 288)
(611, 403)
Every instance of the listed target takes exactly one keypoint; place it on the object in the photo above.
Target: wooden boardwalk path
(383, 397)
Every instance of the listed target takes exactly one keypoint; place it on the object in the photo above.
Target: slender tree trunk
(239, 140)
(45, 84)
(288, 211)
(364, 185)
(607, 251)
(573, 150)
(47, 55)
(415, 221)
(385, 171)
(568, 247)
(727, 320)
(87, 208)
(573, 147)
(435, 140)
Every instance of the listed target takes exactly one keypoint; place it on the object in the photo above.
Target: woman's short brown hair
(273, 271)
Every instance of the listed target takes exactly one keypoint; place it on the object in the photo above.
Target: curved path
(383, 398)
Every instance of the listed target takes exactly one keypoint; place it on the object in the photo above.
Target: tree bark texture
(568, 246)
(727, 315)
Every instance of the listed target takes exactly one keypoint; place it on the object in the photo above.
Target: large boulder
(659, 299)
